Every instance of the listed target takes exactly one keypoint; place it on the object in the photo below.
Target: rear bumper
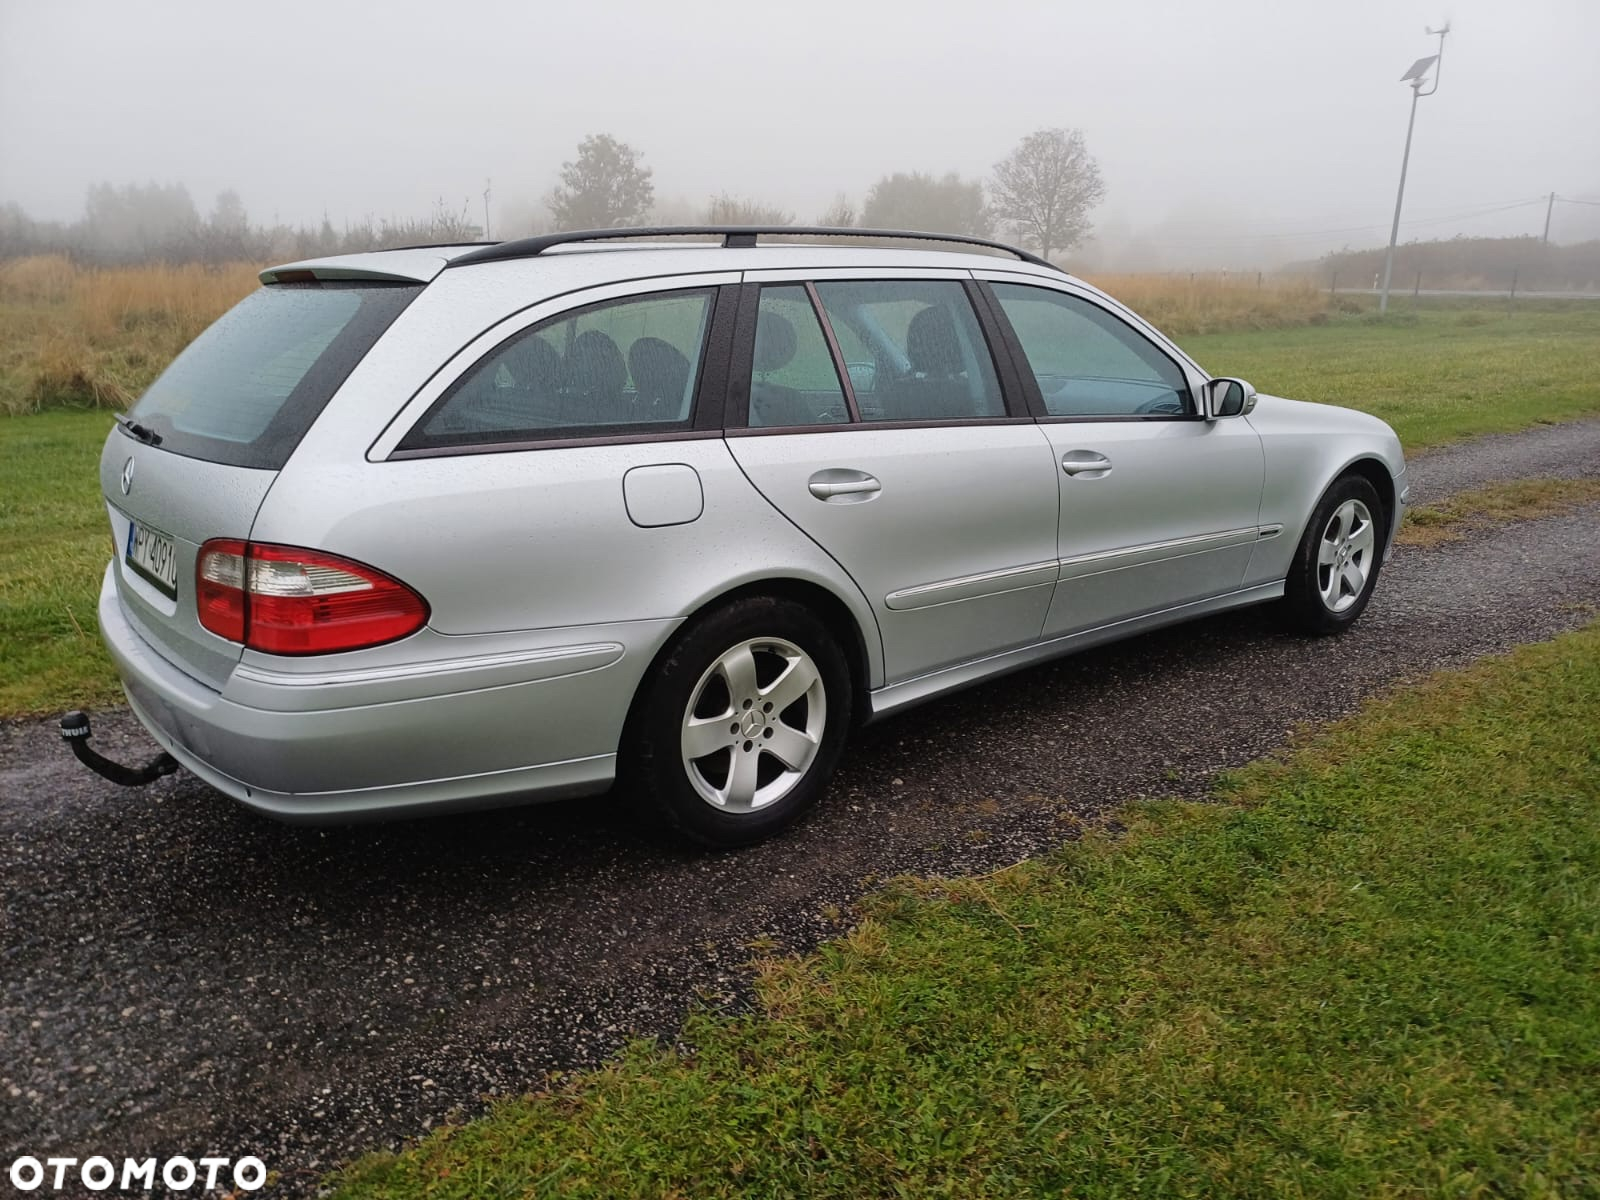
(470, 733)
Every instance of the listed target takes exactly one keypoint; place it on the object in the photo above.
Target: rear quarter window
(247, 389)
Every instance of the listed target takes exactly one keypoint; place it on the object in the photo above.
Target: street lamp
(1416, 77)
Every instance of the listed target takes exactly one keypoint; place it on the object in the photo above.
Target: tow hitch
(75, 732)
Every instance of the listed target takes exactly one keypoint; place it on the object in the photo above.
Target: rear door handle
(842, 485)
(1088, 463)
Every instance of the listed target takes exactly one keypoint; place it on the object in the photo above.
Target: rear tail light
(286, 600)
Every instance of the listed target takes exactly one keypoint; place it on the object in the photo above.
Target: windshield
(247, 389)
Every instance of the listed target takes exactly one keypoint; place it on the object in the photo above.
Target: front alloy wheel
(1345, 555)
(1336, 564)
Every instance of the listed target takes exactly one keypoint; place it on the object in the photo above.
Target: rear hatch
(196, 456)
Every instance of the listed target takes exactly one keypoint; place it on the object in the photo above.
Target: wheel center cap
(753, 722)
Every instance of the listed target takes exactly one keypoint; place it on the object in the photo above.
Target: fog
(1231, 134)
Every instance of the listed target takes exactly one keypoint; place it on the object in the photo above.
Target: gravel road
(179, 976)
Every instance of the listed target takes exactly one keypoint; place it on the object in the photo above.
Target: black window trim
(1012, 395)
(842, 371)
(1030, 383)
(1011, 369)
(706, 405)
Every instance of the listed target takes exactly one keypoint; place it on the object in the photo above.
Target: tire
(1336, 565)
(766, 760)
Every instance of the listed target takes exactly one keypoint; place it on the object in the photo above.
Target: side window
(913, 349)
(793, 380)
(621, 365)
(1088, 362)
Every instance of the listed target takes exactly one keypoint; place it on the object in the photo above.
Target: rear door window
(247, 389)
(793, 380)
(913, 349)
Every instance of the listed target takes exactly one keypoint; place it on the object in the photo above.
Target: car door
(1159, 507)
(868, 410)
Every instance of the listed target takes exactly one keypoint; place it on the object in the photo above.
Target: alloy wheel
(754, 725)
(1344, 555)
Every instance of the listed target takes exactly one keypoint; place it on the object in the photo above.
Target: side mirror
(1225, 397)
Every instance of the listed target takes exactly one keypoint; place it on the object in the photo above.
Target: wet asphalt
(178, 976)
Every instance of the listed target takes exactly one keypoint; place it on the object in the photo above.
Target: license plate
(152, 555)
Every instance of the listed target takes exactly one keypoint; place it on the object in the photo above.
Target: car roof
(617, 260)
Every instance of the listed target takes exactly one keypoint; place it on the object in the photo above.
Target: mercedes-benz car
(451, 526)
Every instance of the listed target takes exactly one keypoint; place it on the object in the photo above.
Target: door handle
(1088, 463)
(843, 486)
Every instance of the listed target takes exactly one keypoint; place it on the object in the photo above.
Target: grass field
(1367, 970)
(54, 543)
(1436, 376)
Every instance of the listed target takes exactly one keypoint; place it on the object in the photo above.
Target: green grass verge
(54, 543)
(1495, 503)
(1437, 375)
(1369, 971)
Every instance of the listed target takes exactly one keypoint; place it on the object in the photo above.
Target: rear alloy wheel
(743, 723)
(746, 743)
(1337, 562)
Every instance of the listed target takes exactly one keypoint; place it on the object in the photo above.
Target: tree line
(1039, 195)
(1493, 263)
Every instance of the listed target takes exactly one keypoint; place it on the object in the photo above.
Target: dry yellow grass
(85, 336)
(1181, 305)
(96, 337)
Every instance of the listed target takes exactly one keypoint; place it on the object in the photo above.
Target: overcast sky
(1224, 128)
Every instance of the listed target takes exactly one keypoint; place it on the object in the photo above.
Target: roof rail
(733, 236)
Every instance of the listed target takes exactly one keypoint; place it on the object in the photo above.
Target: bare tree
(734, 210)
(605, 186)
(1047, 186)
(841, 214)
(919, 201)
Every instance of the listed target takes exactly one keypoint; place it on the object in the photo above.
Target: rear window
(247, 389)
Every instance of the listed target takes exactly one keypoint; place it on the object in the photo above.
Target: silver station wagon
(452, 526)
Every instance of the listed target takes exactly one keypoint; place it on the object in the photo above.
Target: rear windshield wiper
(143, 432)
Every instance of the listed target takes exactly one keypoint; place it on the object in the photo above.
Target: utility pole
(486, 184)
(1416, 77)
(1548, 209)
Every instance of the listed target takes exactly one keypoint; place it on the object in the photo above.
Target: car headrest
(775, 341)
(595, 366)
(932, 344)
(660, 371)
(534, 364)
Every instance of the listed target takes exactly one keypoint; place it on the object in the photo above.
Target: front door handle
(842, 485)
(1088, 463)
